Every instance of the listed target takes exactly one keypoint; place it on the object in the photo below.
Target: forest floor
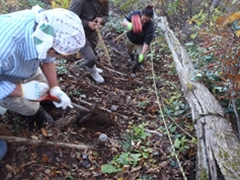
(124, 103)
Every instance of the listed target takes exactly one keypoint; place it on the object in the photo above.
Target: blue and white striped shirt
(18, 56)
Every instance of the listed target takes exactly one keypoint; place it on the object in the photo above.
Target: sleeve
(6, 88)
(76, 7)
(150, 34)
(105, 13)
(48, 60)
(129, 16)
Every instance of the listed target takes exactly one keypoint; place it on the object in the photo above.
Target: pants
(88, 51)
(22, 105)
(131, 46)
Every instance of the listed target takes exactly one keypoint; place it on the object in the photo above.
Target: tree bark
(218, 146)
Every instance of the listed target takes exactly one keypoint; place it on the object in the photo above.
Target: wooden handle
(79, 107)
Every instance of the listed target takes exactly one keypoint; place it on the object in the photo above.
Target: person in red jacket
(93, 13)
(141, 40)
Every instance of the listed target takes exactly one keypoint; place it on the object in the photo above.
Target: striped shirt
(18, 55)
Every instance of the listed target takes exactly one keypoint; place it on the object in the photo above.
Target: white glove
(33, 90)
(65, 101)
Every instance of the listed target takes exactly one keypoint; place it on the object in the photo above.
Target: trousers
(131, 46)
(21, 105)
(88, 50)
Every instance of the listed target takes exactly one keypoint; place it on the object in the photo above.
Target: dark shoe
(132, 58)
(140, 66)
(40, 119)
(3, 149)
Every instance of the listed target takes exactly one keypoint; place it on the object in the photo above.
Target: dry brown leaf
(12, 169)
(34, 137)
(233, 77)
(151, 117)
(136, 169)
(74, 133)
(45, 158)
(44, 132)
(222, 19)
(233, 17)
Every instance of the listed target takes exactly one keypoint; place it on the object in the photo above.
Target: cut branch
(13, 139)
(104, 47)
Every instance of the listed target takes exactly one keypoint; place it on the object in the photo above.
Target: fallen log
(218, 146)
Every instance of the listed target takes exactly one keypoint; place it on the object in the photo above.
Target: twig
(104, 47)
(116, 51)
(12, 139)
(121, 35)
(117, 72)
(154, 132)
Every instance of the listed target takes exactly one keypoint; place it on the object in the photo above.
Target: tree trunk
(218, 146)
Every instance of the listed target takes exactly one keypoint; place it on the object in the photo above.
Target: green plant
(132, 155)
(17, 5)
(139, 133)
(126, 6)
(61, 66)
(175, 105)
(180, 143)
(11, 6)
(69, 176)
(211, 75)
(172, 7)
(37, 2)
(172, 128)
(143, 104)
(71, 172)
(77, 93)
(60, 4)
(115, 23)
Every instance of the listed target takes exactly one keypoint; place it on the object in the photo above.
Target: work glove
(33, 90)
(130, 26)
(140, 58)
(64, 100)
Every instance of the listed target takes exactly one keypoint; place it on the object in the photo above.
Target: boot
(82, 65)
(3, 149)
(40, 119)
(99, 70)
(132, 58)
(94, 73)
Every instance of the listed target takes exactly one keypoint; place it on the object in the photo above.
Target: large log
(218, 146)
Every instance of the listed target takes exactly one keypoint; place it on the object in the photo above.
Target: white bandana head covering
(59, 29)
